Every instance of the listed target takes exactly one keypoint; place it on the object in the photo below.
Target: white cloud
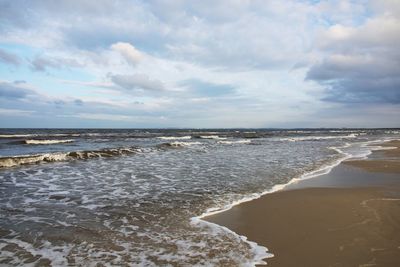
(15, 112)
(103, 116)
(128, 52)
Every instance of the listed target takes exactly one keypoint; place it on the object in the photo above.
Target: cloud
(222, 36)
(254, 63)
(128, 52)
(203, 88)
(9, 58)
(103, 116)
(15, 90)
(20, 93)
(137, 81)
(78, 102)
(15, 112)
(361, 64)
(41, 64)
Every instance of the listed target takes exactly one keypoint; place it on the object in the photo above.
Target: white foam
(212, 137)
(392, 132)
(64, 192)
(59, 156)
(37, 135)
(16, 135)
(175, 137)
(261, 252)
(29, 159)
(182, 144)
(235, 142)
(311, 138)
(47, 142)
(65, 134)
(369, 147)
(56, 254)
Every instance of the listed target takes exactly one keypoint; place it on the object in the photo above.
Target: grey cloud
(137, 81)
(14, 14)
(59, 102)
(42, 64)
(20, 92)
(361, 64)
(14, 91)
(48, 111)
(9, 58)
(19, 81)
(78, 102)
(370, 82)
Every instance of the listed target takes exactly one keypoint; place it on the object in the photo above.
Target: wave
(39, 135)
(212, 137)
(235, 142)
(46, 142)
(6, 162)
(316, 138)
(12, 161)
(178, 144)
(175, 137)
(16, 135)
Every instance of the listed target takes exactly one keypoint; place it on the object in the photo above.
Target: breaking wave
(178, 144)
(235, 142)
(46, 142)
(316, 138)
(16, 135)
(175, 137)
(212, 137)
(39, 135)
(60, 156)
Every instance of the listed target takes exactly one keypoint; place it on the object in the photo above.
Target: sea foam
(46, 142)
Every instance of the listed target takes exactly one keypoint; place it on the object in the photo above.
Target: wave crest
(175, 137)
(216, 137)
(316, 138)
(178, 144)
(46, 142)
(235, 142)
(59, 156)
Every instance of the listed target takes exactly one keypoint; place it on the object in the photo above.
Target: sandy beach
(349, 217)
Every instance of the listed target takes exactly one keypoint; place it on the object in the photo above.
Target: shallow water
(127, 197)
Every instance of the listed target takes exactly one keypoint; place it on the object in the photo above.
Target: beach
(348, 217)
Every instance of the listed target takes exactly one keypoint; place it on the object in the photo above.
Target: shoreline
(304, 182)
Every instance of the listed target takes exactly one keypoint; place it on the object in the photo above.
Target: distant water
(132, 197)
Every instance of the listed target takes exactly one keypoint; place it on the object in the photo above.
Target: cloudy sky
(236, 63)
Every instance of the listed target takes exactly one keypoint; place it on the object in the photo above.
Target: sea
(137, 197)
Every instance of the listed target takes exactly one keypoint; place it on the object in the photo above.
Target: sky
(199, 64)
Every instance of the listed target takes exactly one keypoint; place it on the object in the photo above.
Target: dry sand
(327, 226)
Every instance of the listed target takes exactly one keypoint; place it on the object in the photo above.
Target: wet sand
(386, 161)
(349, 217)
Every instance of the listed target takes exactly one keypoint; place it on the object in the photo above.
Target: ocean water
(136, 197)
